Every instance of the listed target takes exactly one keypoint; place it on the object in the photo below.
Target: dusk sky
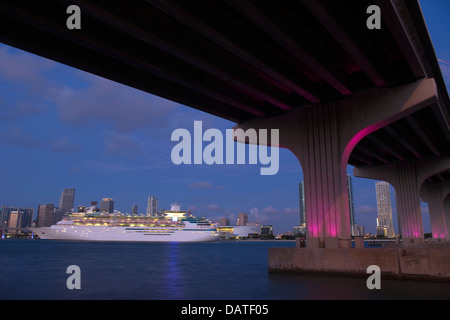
(63, 128)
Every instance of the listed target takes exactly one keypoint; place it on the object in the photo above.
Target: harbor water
(224, 270)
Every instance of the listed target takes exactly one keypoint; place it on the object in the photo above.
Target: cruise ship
(174, 226)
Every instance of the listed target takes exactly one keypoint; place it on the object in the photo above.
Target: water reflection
(173, 282)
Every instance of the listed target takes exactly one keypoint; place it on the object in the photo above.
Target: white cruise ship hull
(138, 234)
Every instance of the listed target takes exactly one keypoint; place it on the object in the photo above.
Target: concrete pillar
(435, 194)
(409, 214)
(322, 136)
(407, 178)
(447, 214)
(325, 177)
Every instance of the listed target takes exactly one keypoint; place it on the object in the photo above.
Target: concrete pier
(428, 262)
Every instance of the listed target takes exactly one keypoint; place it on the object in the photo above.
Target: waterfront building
(13, 219)
(299, 231)
(224, 222)
(152, 206)
(134, 210)
(266, 231)
(385, 226)
(46, 215)
(107, 205)
(358, 230)
(242, 219)
(239, 231)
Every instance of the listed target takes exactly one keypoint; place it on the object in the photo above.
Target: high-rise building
(15, 218)
(224, 222)
(107, 205)
(351, 205)
(46, 215)
(385, 225)
(242, 219)
(134, 209)
(65, 203)
(152, 206)
(301, 191)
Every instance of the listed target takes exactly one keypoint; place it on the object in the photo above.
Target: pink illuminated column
(325, 177)
(313, 135)
(407, 178)
(435, 194)
(447, 214)
(322, 137)
(404, 177)
(409, 214)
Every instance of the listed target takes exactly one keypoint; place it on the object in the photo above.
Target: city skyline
(49, 212)
(63, 127)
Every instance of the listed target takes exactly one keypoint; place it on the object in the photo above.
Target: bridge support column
(312, 134)
(435, 194)
(408, 202)
(322, 136)
(325, 178)
(447, 215)
(407, 178)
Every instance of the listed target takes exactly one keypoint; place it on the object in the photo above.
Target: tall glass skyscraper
(301, 192)
(152, 206)
(350, 200)
(385, 226)
(66, 202)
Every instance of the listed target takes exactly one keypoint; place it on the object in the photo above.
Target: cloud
(64, 145)
(104, 101)
(363, 209)
(192, 208)
(23, 68)
(24, 88)
(205, 185)
(14, 135)
(213, 207)
(110, 166)
(34, 84)
(271, 214)
(445, 69)
(292, 211)
(121, 144)
(200, 185)
(366, 211)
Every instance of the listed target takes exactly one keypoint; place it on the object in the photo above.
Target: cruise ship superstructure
(174, 226)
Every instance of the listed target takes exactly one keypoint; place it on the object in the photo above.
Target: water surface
(225, 270)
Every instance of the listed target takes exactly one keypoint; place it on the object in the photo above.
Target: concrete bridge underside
(339, 92)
